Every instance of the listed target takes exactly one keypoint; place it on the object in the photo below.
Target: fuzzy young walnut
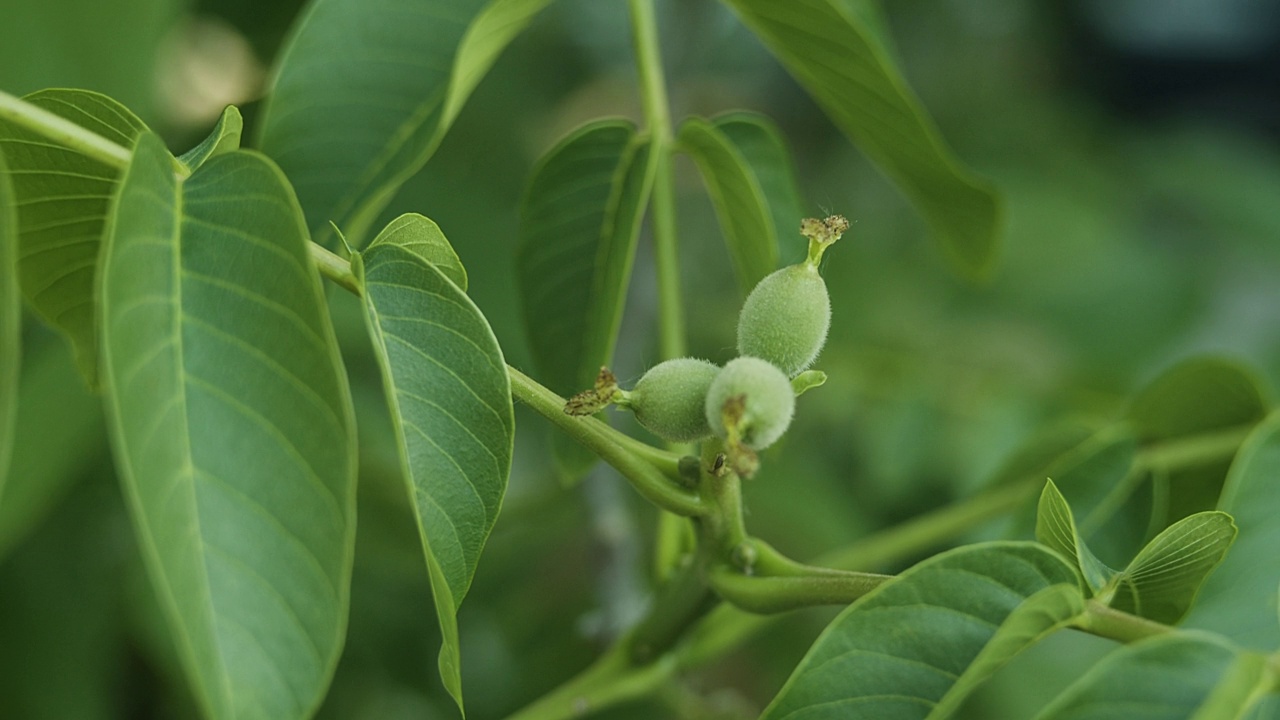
(786, 317)
(749, 406)
(668, 400)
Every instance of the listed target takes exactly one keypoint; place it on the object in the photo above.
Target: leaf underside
(232, 426)
(1163, 580)
(421, 236)
(224, 138)
(450, 398)
(62, 200)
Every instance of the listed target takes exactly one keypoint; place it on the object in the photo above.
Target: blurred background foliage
(1135, 142)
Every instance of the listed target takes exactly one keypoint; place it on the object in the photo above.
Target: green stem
(609, 445)
(644, 28)
(1118, 625)
(774, 594)
(63, 131)
(336, 269)
(610, 680)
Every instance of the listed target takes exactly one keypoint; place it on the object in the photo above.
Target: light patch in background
(205, 64)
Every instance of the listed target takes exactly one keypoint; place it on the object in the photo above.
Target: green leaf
(578, 228)
(224, 138)
(450, 397)
(808, 380)
(349, 122)
(63, 197)
(1162, 581)
(232, 426)
(1239, 599)
(835, 55)
(760, 143)
(914, 647)
(1196, 396)
(739, 200)
(10, 321)
(1056, 528)
(1181, 676)
(422, 237)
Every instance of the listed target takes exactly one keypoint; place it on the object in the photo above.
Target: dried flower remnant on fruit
(590, 402)
(749, 406)
(822, 234)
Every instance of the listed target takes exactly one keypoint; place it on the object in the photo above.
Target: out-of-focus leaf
(450, 399)
(232, 426)
(59, 435)
(738, 198)
(1198, 395)
(224, 138)
(1162, 581)
(1056, 528)
(836, 56)
(10, 321)
(422, 237)
(1183, 676)
(1239, 599)
(579, 223)
(351, 118)
(917, 645)
(62, 199)
(762, 146)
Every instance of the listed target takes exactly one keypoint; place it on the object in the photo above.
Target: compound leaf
(232, 425)
(224, 138)
(350, 126)
(1239, 599)
(1162, 581)
(739, 200)
(62, 200)
(1181, 676)
(450, 397)
(914, 647)
(422, 237)
(835, 55)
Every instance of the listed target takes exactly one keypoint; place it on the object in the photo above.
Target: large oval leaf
(450, 400)
(1240, 598)
(349, 122)
(738, 198)
(10, 320)
(232, 426)
(835, 55)
(1184, 676)
(914, 647)
(62, 198)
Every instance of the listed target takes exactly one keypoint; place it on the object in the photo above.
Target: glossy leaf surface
(1163, 580)
(422, 237)
(349, 127)
(1172, 677)
(232, 426)
(578, 228)
(62, 199)
(835, 55)
(739, 200)
(914, 647)
(224, 138)
(450, 398)
(1240, 598)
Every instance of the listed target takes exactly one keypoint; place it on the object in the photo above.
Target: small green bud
(669, 400)
(750, 404)
(785, 319)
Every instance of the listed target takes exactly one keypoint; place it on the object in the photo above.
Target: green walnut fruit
(669, 400)
(786, 317)
(750, 403)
